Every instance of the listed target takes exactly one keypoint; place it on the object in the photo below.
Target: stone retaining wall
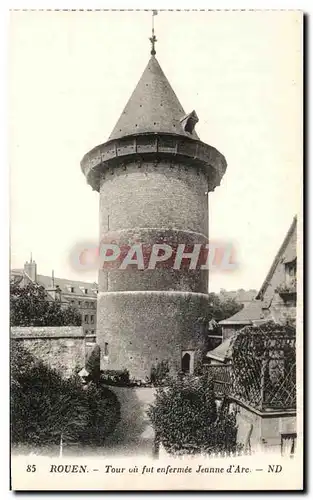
(63, 348)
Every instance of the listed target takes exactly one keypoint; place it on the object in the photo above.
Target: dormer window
(86, 291)
(72, 289)
(189, 122)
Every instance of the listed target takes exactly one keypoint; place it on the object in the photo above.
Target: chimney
(30, 268)
(54, 290)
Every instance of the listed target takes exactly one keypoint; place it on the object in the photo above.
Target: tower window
(106, 349)
(185, 363)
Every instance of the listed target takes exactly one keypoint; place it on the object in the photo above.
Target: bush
(103, 416)
(44, 406)
(115, 377)
(93, 363)
(159, 373)
(186, 420)
(31, 306)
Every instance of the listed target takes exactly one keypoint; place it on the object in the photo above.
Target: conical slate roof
(152, 107)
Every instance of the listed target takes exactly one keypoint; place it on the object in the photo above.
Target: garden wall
(264, 431)
(63, 348)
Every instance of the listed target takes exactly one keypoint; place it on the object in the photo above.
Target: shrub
(44, 406)
(186, 420)
(103, 416)
(31, 306)
(159, 373)
(115, 377)
(93, 363)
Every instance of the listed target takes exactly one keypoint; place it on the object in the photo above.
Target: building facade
(79, 294)
(277, 297)
(153, 176)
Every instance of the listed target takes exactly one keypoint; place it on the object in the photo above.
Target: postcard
(156, 322)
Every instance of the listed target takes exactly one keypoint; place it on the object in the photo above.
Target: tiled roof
(251, 312)
(65, 285)
(153, 107)
(222, 352)
(291, 253)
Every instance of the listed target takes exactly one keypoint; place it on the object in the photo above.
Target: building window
(92, 332)
(291, 272)
(86, 291)
(87, 304)
(106, 349)
(92, 319)
(72, 302)
(86, 318)
(72, 289)
(79, 303)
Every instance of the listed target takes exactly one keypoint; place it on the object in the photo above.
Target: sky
(71, 74)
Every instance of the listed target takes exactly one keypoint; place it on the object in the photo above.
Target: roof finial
(153, 39)
(31, 257)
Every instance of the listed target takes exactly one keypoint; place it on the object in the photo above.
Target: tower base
(137, 330)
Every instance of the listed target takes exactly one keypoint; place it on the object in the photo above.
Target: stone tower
(153, 175)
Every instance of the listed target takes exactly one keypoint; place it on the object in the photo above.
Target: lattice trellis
(262, 372)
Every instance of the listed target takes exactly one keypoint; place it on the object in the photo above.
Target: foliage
(30, 306)
(115, 377)
(159, 372)
(221, 309)
(44, 406)
(186, 419)
(216, 311)
(103, 414)
(93, 363)
(263, 360)
(290, 287)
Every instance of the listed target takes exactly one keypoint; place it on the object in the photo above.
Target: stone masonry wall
(154, 195)
(263, 431)
(144, 328)
(145, 317)
(62, 348)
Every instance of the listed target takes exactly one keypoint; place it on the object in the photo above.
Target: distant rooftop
(67, 286)
(252, 311)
